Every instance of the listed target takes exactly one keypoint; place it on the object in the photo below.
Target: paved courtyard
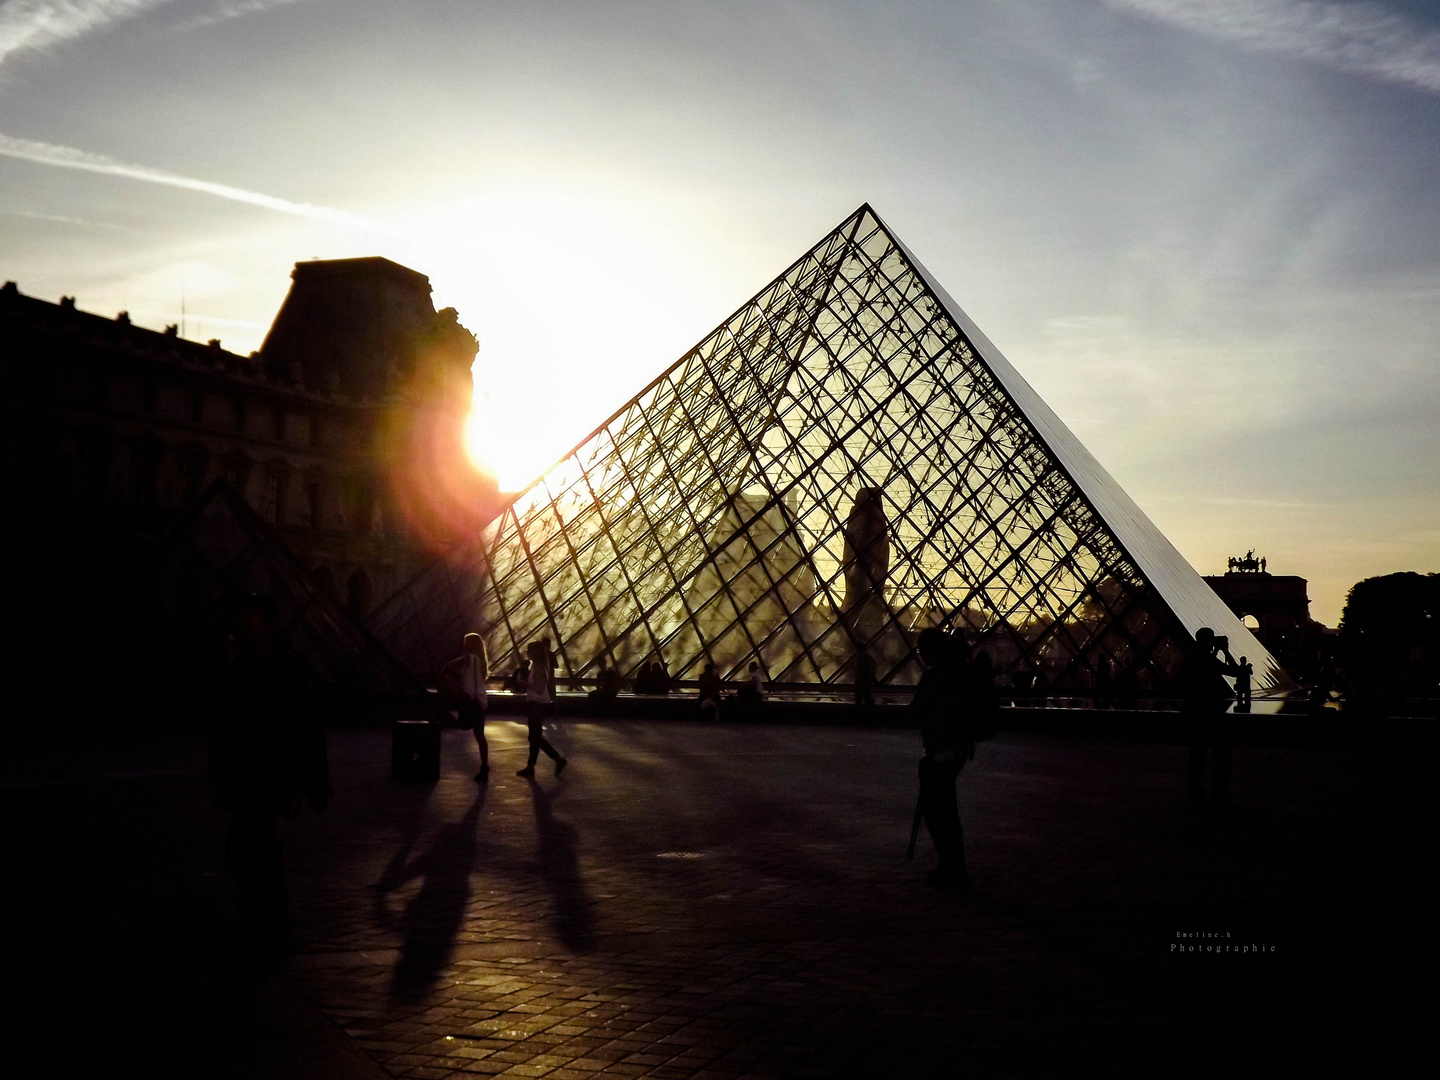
(693, 901)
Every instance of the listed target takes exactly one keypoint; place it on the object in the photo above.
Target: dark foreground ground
(692, 901)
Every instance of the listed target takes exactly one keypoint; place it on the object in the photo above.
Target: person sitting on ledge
(607, 685)
(753, 691)
(519, 678)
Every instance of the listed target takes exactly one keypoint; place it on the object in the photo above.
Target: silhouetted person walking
(938, 706)
(468, 673)
(267, 757)
(864, 678)
(539, 697)
(1242, 685)
(1205, 698)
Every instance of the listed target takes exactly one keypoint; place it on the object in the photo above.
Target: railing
(802, 693)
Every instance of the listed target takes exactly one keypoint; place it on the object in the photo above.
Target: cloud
(65, 157)
(230, 9)
(60, 219)
(1362, 38)
(36, 25)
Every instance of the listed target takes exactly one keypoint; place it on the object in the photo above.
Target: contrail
(66, 157)
(1358, 37)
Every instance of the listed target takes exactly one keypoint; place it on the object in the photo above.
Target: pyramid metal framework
(844, 461)
(220, 550)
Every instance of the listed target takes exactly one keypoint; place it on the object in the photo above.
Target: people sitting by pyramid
(652, 678)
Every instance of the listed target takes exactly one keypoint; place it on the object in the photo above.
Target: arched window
(1251, 622)
(357, 595)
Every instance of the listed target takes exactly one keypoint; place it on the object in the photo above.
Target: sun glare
(576, 305)
(517, 448)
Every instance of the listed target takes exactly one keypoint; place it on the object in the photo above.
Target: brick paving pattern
(726, 901)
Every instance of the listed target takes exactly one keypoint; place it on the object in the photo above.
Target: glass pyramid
(843, 462)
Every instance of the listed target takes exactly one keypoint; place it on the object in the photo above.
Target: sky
(1206, 231)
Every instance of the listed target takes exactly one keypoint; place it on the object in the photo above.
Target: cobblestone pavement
(724, 901)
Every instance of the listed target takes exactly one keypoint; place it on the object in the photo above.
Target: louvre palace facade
(112, 429)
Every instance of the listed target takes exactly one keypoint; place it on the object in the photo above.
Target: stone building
(1276, 609)
(344, 432)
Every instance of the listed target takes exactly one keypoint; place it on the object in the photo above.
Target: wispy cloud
(38, 25)
(60, 219)
(1363, 38)
(35, 25)
(230, 9)
(65, 157)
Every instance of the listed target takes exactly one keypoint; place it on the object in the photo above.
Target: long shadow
(417, 803)
(560, 867)
(433, 919)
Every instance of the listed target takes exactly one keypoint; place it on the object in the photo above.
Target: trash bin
(415, 750)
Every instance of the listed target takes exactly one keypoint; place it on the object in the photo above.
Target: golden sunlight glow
(578, 300)
(501, 442)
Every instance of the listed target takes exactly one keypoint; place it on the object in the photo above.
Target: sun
(517, 432)
(576, 303)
